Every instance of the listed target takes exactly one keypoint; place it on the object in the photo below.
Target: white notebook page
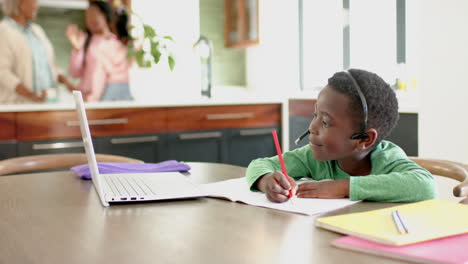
(237, 190)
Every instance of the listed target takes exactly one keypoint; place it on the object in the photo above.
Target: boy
(346, 154)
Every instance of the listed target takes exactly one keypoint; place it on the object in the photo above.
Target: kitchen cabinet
(241, 23)
(202, 146)
(7, 135)
(148, 148)
(8, 126)
(7, 149)
(37, 147)
(212, 133)
(405, 134)
(230, 146)
(300, 115)
(245, 145)
(49, 125)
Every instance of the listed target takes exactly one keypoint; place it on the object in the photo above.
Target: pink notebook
(453, 249)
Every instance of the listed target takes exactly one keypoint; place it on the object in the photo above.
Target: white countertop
(408, 102)
(167, 102)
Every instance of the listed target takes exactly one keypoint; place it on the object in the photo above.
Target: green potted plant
(148, 47)
(144, 44)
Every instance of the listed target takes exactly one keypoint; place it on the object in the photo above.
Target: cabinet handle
(255, 132)
(130, 140)
(100, 122)
(57, 145)
(229, 116)
(200, 135)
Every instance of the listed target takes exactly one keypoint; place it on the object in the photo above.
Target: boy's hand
(276, 186)
(331, 189)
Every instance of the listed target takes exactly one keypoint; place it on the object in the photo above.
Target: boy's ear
(369, 141)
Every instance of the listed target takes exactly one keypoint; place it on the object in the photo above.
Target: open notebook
(237, 190)
(425, 220)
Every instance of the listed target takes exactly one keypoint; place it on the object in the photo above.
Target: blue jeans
(117, 92)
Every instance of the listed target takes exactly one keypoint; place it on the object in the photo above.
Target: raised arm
(77, 39)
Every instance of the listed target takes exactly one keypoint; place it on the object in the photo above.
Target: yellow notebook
(425, 220)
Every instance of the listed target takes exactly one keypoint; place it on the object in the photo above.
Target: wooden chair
(35, 163)
(450, 169)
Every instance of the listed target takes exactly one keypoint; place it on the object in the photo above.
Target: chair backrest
(54, 161)
(450, 169)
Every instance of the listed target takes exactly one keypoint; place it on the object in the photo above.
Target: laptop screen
(88, 145)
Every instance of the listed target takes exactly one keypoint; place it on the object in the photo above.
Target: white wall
(273, 65)
(180, 20)
(442, 40)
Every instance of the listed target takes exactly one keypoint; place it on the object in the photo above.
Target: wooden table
(58, 218)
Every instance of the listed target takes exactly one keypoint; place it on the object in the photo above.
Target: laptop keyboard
(128, 187)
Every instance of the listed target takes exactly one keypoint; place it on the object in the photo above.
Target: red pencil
(280, 156)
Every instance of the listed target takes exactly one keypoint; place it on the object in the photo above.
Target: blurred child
(99, 58)
(346, 154)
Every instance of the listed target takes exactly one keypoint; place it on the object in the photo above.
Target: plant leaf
(139, 56)
(130, 51)
(169, 38)
(171, 62)
(155, 51)
(149, 31)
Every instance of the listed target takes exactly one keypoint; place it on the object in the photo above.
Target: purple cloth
(117, 167)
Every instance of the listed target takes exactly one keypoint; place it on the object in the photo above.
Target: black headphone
(363, 133)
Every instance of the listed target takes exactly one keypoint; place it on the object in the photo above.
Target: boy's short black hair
(381, 100)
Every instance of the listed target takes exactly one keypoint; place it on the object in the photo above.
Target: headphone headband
(363, 133)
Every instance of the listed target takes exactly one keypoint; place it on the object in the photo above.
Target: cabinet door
(203, 146)
(148, 148)
(241, 23)
(50, 147)
(300, 116)
(8, 125)
(297, 126)
(405, 134)
(7, 150)
(245, 145)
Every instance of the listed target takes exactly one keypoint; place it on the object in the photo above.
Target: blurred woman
(27, 62)
(99, 58)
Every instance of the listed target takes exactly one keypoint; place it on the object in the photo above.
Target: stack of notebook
(437, 232)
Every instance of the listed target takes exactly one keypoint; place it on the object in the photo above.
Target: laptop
(132, 187)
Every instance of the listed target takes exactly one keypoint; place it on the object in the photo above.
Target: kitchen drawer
(103, 122)
(26, 148)
(7, 124)
(220, 117)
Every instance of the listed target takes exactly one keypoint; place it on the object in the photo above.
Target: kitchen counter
(408, 102)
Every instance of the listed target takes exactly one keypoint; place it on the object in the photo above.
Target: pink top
(106, 62)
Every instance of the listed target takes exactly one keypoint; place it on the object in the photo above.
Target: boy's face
(332, 127)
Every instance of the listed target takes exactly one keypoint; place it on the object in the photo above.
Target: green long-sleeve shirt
(393, 177)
